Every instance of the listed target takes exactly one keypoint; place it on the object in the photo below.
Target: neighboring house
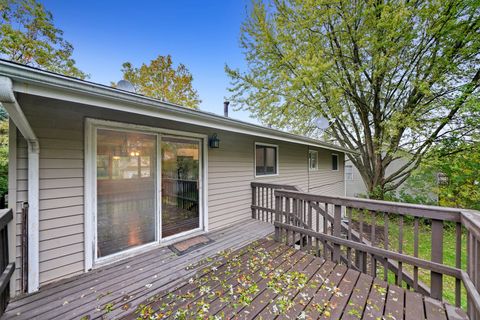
(356, 187)
(108, 173)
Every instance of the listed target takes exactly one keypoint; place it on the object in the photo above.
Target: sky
(203, 35)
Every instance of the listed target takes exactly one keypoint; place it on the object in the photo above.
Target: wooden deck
(117, 289)
(241, 275)
(267, 280)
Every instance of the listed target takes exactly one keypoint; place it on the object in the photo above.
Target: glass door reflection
(126, 190)
(180, 170)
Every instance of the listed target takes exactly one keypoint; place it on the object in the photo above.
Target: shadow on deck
(117, 289)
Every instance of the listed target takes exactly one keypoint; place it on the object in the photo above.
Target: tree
(29, 36)
(457, 167)
(392, 77)
(160, 80)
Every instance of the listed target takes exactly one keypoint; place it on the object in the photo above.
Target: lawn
(424, 248)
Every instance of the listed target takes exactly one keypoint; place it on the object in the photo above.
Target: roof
(30, 80)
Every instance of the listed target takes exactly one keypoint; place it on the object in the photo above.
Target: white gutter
(9, 102)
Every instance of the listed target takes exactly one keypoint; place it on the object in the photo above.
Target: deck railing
(6, 215)
(381, 238)
(263, 199)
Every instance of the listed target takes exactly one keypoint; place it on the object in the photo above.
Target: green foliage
(460, 168)
(160, 80)
(392, 77)
(3, 157)
(28, 36)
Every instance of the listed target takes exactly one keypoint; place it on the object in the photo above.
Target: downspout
(9, 102)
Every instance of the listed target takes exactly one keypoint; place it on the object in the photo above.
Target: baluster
(310, 225)
(301, 222)
(385, 244)
(476, 275)
(294, 215)
(277, 218)
(415, 254)
(400, 250)
(372, 240)
(267, 205)
(325, 230)
(254, 202)
(436, 279)
(287, 217)
(263, 203)
(273, 197)
(361, 259)
(349, 236)
(458, 262)
(337, 231)
(470, 265)
(317, 215)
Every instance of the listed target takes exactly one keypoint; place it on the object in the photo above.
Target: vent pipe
(225, 108)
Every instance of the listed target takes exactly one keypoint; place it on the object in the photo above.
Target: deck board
(358, 299)
(394, 302)
(414, 308)
(233, 277)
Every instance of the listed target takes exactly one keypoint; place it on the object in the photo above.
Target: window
(334, 162)
(348, 173)
(312, 159)
(265, 160)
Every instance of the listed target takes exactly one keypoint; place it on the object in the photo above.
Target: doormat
(188, 245)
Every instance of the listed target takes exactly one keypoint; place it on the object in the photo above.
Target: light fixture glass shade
(214, 142)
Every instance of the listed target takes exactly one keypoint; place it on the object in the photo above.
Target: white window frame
(255, 160)
(91, 126)
(338, 161)
(316, 162)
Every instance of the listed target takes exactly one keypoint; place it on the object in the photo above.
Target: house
(102, 180)
(99, 174)
(356, 187)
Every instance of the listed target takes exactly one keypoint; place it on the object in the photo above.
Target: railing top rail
(471, 220)
(424, 211)
(6, 215)
(275, 186)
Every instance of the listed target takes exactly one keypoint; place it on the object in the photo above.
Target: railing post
(436, 279)
(337, 231)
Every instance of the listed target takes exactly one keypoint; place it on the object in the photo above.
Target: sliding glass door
(126, 190)
(180, 185)
(147, 188)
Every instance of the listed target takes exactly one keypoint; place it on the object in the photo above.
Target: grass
(424, 249)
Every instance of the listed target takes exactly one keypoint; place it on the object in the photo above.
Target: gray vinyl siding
(325, 180)
(60, 128)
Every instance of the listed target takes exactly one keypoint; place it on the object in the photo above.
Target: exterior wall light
(214, 142)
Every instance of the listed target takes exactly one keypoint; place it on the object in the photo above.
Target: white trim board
(91, 126)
